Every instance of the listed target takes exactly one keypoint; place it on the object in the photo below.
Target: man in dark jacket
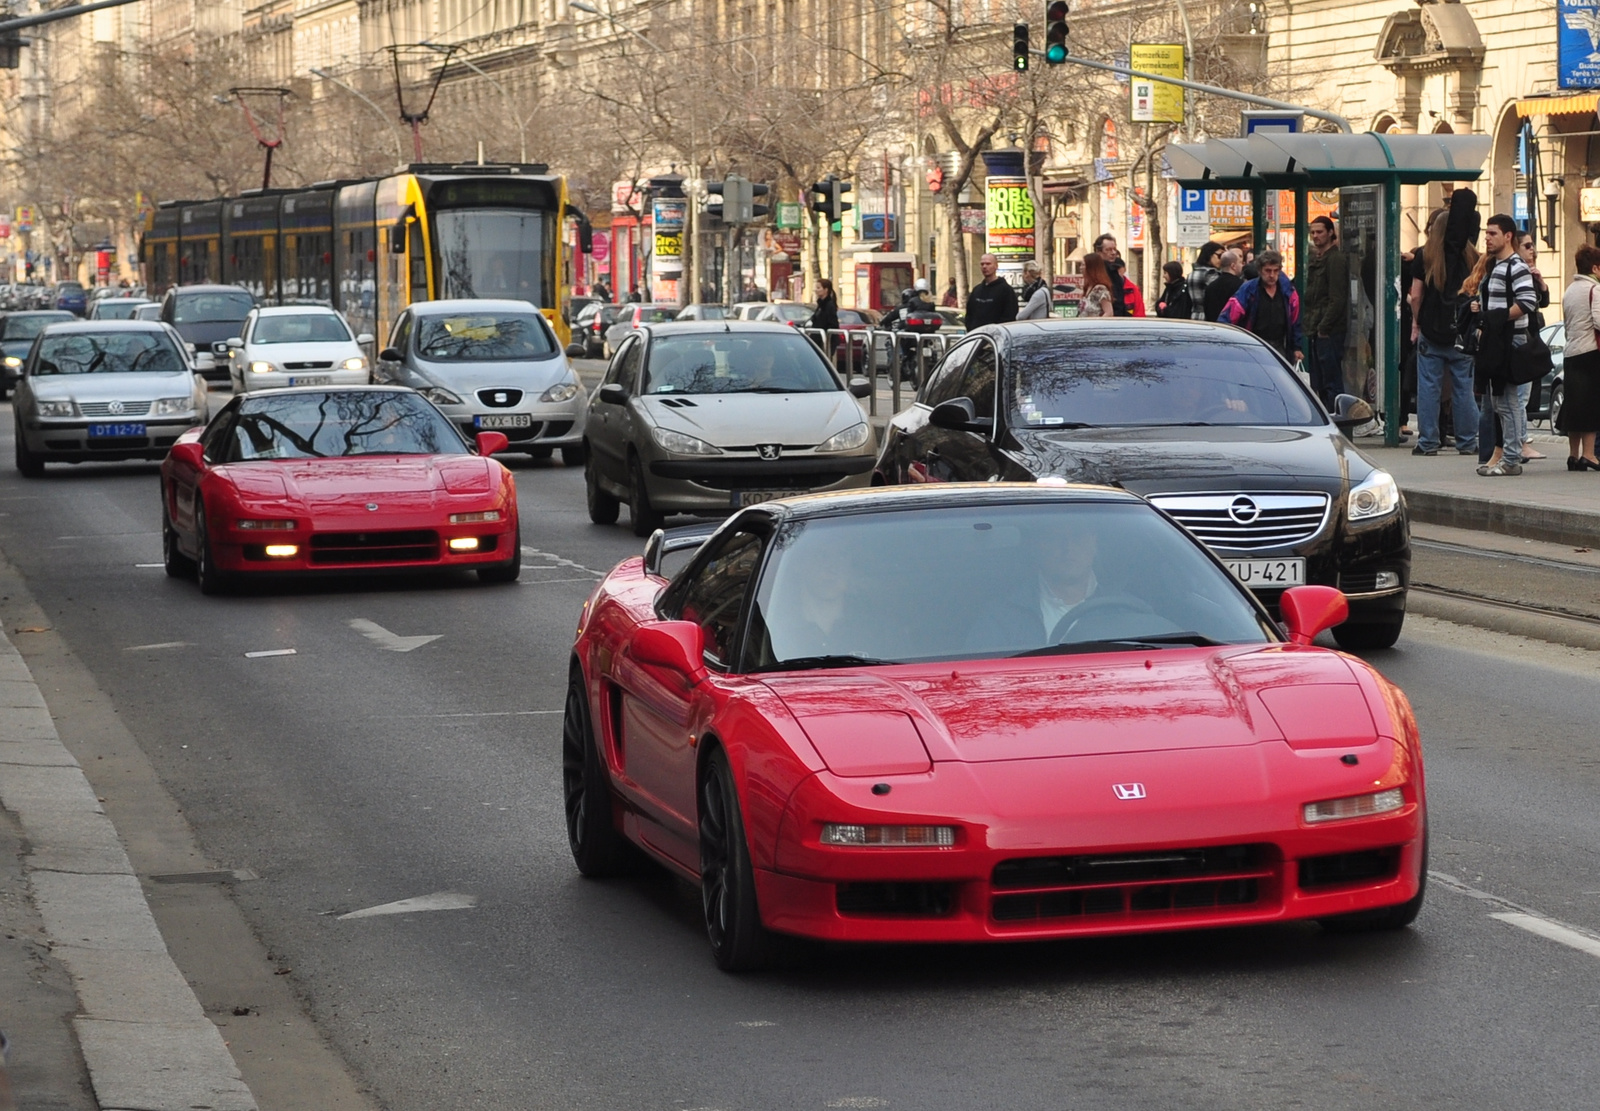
(1269, 306)
(1327, 311)
(992, 301)
(1225, 284)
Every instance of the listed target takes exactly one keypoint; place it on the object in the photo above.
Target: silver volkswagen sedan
(490, 366)
(104, 389)
(703, 417)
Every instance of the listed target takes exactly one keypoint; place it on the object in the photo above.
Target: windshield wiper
(810, 663)
(1124, 644)
(766, 389)
(1053, 425)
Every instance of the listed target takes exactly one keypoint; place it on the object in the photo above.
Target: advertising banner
(1230, 208)
(667, 218)
(787, 216)
(1156, 101)
(24, 218)
(1578, 39)
(972, 219)
(1009, 218)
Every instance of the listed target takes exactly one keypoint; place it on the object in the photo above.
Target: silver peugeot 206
(104, 390)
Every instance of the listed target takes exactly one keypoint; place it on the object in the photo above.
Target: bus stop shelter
(1372, 166)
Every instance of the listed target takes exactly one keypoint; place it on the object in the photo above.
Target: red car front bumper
(393, 545)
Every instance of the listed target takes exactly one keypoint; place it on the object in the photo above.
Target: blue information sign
(1578, 36)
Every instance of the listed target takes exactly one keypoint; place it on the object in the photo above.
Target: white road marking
(562, 561)
(1515, 914)
(153, 647)
(542, 582)
(147, 566)
(439, 900)
(1566, 935)
(107, 535)
(392, 642)
(271, 652)
(758, 1022)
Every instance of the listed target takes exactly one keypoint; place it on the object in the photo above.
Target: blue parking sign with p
(1192, 200)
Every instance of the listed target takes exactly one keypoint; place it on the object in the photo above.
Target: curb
(1497, 618)
(145, 1039)
(1520, 519)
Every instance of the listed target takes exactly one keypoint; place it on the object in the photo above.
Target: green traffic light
(1056, 54)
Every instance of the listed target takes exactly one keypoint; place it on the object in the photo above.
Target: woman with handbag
(1580, 410)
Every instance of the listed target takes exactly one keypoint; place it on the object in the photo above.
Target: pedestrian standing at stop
(1504, 298)
(1269, 306)
(1529, 251)
(1230, 276)
(951, 297)
(1126, 300)
(1174, 303)
(826, 314)
(1444, 365)
(1207, 265)
(1035, 295)
(991, 301)
(1327, 310)
(1579, 417)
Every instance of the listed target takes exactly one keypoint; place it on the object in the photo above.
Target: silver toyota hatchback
(104, 390)
(490, 366)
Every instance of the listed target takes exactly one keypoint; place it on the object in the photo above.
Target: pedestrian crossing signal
(1055, 32)
(1019, 47)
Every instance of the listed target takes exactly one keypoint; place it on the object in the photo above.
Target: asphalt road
(348, 775)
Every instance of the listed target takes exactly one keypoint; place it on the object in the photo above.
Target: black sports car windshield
(989, 581)
(484, 337)
(341, 423)
(736, 362)
(108, 353)
(1100, 379)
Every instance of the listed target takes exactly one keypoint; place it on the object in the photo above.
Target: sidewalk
(1546, 502)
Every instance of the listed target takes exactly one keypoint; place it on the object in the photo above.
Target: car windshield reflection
(483, 337)
(734, 362)
(341, 423)
(108, 353)
(990, 581)
(321, 327)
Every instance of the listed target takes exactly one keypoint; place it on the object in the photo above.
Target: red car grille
(1128, 885)
(414, 546)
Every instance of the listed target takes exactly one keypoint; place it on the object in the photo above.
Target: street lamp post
(399, 153)
(522, 129)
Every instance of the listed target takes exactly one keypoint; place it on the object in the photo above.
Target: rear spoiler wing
(664, 542)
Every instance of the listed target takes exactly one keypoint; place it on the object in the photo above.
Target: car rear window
(310, 327)
(211, 308)
(657, 314)
(26, 327)
(481, 337)
(340, 423)
(1098, 379)
(736, 362)
(115, 310)
(108, 353)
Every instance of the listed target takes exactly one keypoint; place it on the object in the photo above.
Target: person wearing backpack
(1448, 256)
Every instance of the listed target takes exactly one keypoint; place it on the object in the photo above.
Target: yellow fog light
(282, 551)
(464, 544)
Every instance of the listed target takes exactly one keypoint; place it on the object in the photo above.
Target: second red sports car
(983, 712)
(336, 480)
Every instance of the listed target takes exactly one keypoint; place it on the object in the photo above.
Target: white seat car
(297, 345)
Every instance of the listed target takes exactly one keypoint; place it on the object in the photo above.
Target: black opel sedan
(1204, 420)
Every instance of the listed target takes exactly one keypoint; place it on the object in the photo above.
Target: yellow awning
(1579, 104)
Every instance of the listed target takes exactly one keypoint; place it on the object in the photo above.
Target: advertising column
(666, 262)
(1008, 213)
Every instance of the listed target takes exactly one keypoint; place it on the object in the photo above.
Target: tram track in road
(1534, 594)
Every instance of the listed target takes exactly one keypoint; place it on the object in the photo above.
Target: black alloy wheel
(1369, 636)
(509, 571)
(29, 465)
(645, 519)
(211, 579)
(603, 508)
(1397, 917)
(178, 565)
(598, 849)
(739, 942)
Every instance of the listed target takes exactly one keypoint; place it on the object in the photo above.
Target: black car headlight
(1373, 497)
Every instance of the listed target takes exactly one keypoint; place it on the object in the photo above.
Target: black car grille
(103, 408)
(1248, 522)
(1181, 881)
(500, 397)
(117, 443)
(915, 900)
(327, 365)
(413, 546)
(1338, 869)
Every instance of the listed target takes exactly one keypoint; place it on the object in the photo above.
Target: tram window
(489, 253)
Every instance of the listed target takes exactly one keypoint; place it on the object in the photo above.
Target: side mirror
(960, 415)
(860, 387)
(677, 646)
(576, 350)
(221, 347)
(614, 393)
(194, 348)
(366, 339)
(189, 454)
(1309, 610)
(389, 355)
(491, 442)
(235, 344)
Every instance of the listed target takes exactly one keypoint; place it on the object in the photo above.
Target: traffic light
(1055, 32)
(715, 208)
(1019, 47)
(750, 209)
(827, 198)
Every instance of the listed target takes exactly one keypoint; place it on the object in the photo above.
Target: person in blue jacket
(1269, 306)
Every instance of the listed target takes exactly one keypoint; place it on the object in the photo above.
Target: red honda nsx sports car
(983, 712)
(336, 480)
